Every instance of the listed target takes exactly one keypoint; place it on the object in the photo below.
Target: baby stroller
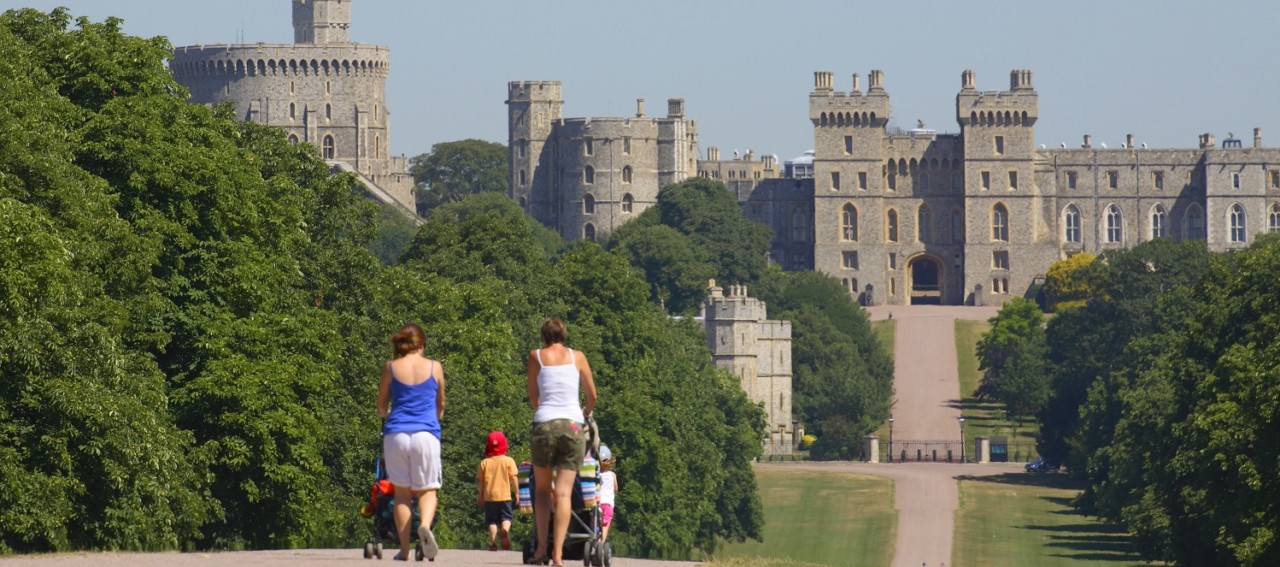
(582, 541)
(381, 509)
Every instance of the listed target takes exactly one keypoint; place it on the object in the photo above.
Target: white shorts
(413, 460)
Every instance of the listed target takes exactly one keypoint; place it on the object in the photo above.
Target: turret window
(849, 224)
(1237, 223)
(588, 204)
(626, 174)
(1273, 220)
(1158, 228)
(628, 203)
(999, 223)
(999, 145)
(589, 231)
(1071, 224)
(328, 147)
(892, 226)
(588, 175)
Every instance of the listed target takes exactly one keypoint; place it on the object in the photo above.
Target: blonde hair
(607, 464)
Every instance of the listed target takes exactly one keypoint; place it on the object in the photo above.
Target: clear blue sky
(1165, 71)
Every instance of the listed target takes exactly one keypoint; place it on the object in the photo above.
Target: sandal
(400, 557)
(539, 560)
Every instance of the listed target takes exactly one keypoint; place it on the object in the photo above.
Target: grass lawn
(819, 519)
(1022, 519)
(987, 417)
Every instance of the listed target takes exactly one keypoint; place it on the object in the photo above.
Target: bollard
(935, 455)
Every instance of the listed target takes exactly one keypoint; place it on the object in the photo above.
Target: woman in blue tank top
(411, 399)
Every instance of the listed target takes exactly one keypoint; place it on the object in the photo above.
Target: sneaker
(506, 539)
(428, 539)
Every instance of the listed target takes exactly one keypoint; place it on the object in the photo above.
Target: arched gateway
(925, 274)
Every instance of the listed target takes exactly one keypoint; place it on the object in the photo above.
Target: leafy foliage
(1011, 356)
(451, 171)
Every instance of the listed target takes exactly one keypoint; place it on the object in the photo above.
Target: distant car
(1041, 465)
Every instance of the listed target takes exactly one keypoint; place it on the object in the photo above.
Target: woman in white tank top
(557, 377)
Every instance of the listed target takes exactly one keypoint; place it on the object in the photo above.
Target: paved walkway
(927, 407)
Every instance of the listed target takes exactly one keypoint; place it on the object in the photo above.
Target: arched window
(799, 226)
(1159, 228)
(957, 227)
(626, 174)
(328, 111)
(328, 147)
(523, 178)
(589, 231)
(293, 139)
(293, 111)
(1115, 225)
(924, 224)
(892, 225)
(999, 223)
(893, 181)
(589, 175)
(1071, 224)
(849, 223)
(1237, 223)
(1194, 223)
(627, 203)
(588, 204)
(1273, 220)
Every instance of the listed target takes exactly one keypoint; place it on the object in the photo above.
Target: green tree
(453, 170)
(675, 269)
(1064, 284)
(1011, 356)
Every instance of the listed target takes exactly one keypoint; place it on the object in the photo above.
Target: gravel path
(308, 557)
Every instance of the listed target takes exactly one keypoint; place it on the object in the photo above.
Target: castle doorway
(926, 280)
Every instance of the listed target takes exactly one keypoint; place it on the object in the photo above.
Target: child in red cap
(498, 483)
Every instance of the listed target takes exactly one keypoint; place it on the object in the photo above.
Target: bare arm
(588, 384)
(515, 481)
(480, 485)
(532, 380)
(384, 391)
(439, 373)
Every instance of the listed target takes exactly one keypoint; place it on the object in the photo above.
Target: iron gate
(911, 451)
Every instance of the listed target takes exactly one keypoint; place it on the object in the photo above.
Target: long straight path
(926, 386)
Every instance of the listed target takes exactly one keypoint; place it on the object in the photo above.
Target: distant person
(557, 376)
(411, 398)
(498, 481)
(608, 490)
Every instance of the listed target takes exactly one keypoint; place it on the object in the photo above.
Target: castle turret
(533, 108)
(321, 21)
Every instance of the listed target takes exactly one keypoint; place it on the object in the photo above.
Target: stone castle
(758, 351)
(322, 89)
(907, 216)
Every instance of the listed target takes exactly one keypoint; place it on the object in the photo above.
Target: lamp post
(962, 442)
(890, 438)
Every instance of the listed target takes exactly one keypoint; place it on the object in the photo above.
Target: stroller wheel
(377, 549)
(606, 553)
(417, 552)
(588, 550)
(368, 550)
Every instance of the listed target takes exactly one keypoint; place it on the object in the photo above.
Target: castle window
(893, 181)
(956, 183)
(849, 259)
(1158, 228)
(523, 178)
(589, 231)
(892, 226)
(588, 204)
(626, 145)
(328, 87)
(1113, 179)
(1000, 260)
(1071, 180)
(835, 181)
(1195, 223)
(999, 145)
(520, 145)
(799, 228)
(1273, 220)
(626, 174)
(1115, 225)
(999, 223)
(862, 180)
(957, 227)
(290, 87)
(924, 224)
(327, 147)
(1157, 179)
(986, 180)
(1072, 224)
(893, 286)
(1237, 222)
(293, 111)
(1235, 180)
(893, 260)
(588, 175)
(1275, 180)
(628, 203)
(293, 139)
(1013, 180)
(588, 146)
(848, 145)
(328, 111)
(849, 224)
(377, 146)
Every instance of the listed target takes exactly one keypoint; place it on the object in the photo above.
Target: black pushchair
(582, 541)
(381, 509)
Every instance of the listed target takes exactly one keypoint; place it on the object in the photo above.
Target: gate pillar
(983, 449)
(871, 449)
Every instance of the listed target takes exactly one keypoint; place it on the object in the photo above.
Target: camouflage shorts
(559, 443)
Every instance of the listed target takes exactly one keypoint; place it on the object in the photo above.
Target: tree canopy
(451, 171)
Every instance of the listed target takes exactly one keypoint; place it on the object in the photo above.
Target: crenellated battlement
(1018, 106)
(828, 107)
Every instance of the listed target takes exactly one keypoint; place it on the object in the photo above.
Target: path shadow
(1046, 480)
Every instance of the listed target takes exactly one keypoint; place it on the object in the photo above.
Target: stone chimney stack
(1088, 142)
(822, 81)
(1128, 141)
(967, 80)
(675, 108)
(713, 154)
(857, 84)
(1257, 138)
(639, 108)
(876, 82)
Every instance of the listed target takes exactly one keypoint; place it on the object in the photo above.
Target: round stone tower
(323, 89)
